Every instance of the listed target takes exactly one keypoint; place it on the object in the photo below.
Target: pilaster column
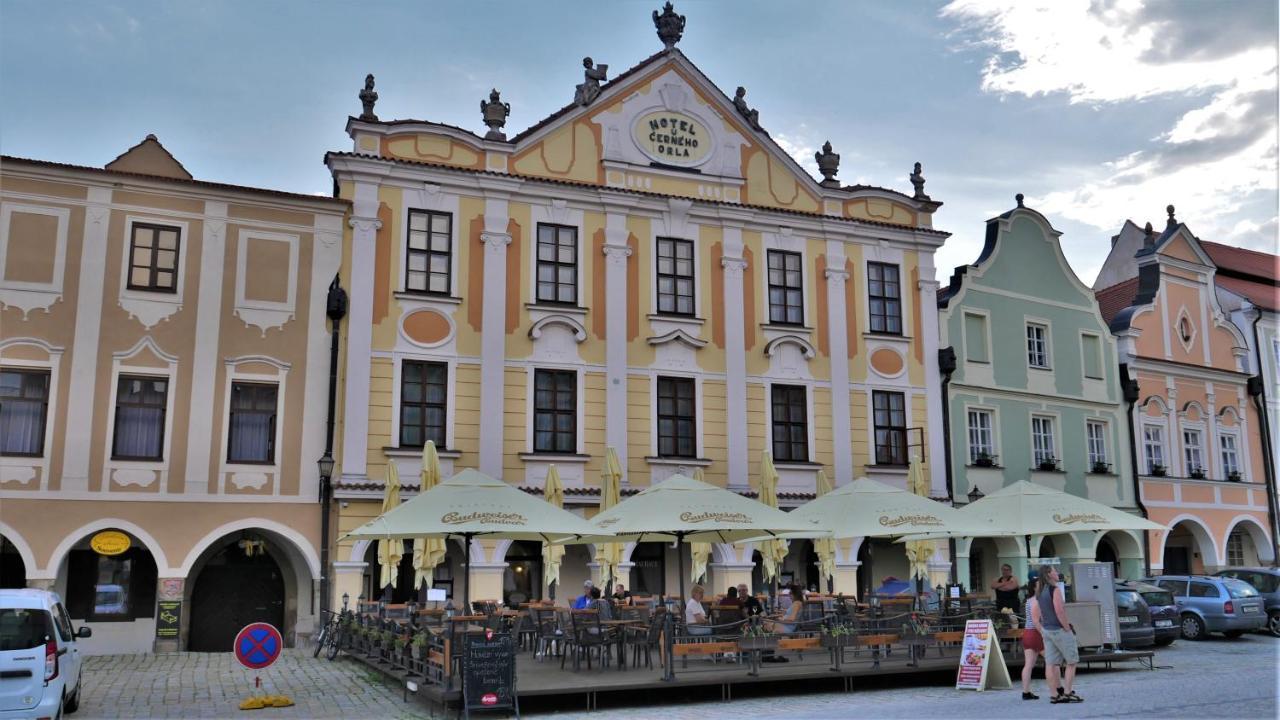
(84, 355)
(364, 224)
(838, 341)
(493, 334)
(616, 254)
(204, 361)
(735, 345)
(927, 289)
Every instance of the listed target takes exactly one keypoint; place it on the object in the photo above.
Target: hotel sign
(109, 542)
(672, 138)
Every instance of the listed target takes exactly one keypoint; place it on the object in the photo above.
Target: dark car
(1163, 608)
(1266, 580)
(1133, 617)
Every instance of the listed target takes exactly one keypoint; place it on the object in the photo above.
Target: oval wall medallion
(427, 327)
(887, 362)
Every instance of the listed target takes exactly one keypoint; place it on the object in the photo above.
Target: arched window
(111, 588)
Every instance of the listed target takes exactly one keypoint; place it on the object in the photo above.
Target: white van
(39, 657)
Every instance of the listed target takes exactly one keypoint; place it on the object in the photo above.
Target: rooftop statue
(828, 165)
(495, 114)
(593, 75)
(367, 98)
(917, 182)
(740, 102)
(670, 26)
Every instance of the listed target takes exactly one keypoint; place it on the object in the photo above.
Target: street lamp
(975, 494)
(345, 600)
(325, 463)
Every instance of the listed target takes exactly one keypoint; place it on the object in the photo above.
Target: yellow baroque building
(644, 270)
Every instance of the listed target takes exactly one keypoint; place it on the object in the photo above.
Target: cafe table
(619, 628)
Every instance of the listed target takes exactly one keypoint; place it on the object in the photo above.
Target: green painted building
(1035, 394)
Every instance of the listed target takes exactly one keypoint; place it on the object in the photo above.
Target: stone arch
(295, 538)
(60, 552)
(1261, 541)
(1065, 545)
(20, 545)
(1200, 533)
(360, 547)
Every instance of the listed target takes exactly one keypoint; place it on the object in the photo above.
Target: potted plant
(915, 629)
(756, 637)
(1197, 473)
(421, 644)
(984, 460)
(838, 636)
(1235, 476)
(386, 642)
(1158, 470)
(1101, 468)
(1048, 464)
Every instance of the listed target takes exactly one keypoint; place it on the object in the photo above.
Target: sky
(1097, 111)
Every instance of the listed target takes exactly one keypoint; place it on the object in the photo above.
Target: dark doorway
(1107, 554)
(231, 591)
(404, 591)
(757, 574)
(13, 572)
(649, 569)
(1177, 561)
(522, 580)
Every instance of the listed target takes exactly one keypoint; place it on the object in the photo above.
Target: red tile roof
(1113, 299)
(1250, 262)
(1263, 295)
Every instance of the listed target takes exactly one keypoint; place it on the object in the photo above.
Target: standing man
(1006, 587)
(1050, 615)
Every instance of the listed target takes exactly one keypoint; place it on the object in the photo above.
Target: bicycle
(330, 636)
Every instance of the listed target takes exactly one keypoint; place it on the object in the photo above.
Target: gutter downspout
(1130, 392)
(336, 309)
(1257, 390)
(947, 365)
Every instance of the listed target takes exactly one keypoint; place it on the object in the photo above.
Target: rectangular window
(1037, 346)
(24, 407)
(429, 252)
(675, 277)
(1042, 441)
(786, 288)
(110, 588)
(1096, 436)
(153, 258)
(884, 298)
(677, 421)
(1230, 458)
(981, 442)
(1153, 448)
(1192, 451)
(555, 411)
(790, 424)
(251, 435)
(1092, 348)
(140, 410)
(557, 264)
(975, 338)
(424, 388)
(1235, 548)
(890, 415)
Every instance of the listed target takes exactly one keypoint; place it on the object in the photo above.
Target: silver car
(1266, 580)
(1209, 604)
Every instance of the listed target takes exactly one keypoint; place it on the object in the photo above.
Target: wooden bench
(707, 648)
(799, 644)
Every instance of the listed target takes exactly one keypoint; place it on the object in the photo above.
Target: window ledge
(427, 297)
(887, 337)
(695, 461)
(785, 328)
(797, 465)
(233, 465)
(554, 457)
(680, 319)
(548, 307)
(1056, 472)
(1041, 369)
(891, 469)
(1105, 474)
(985, 467)
(402, 452)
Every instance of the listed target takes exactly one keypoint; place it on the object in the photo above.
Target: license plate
(1128, 620)
(1164, 623)
(1250, 609)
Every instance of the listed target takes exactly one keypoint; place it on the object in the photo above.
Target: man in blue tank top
(1059, 637)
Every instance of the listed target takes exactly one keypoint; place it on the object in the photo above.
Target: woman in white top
(695, 618)
(1032, 643)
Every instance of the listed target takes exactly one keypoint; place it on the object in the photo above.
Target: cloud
(801, 148)
(1212, 162)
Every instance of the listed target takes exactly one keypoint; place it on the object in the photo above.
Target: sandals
(1030, 696)
(1061, 697)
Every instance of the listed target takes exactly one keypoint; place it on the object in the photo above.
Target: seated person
(731, 598)
(621, 595)
(787, 623)
(750, 603)
(598, 604)
(695, 618)
(580, 602)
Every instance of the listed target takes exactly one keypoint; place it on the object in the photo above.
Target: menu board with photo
(978, 652)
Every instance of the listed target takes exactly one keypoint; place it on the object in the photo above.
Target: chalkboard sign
(489, 673)
(168, 618)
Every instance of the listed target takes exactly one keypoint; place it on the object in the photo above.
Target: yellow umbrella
(390, 551)
(773, 551)
(552, 492)
(918, 551)
(699, 552)
(428, 552)
(825, 547)
(609, 554)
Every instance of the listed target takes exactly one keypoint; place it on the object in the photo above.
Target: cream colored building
(648, 271)
(163, 374)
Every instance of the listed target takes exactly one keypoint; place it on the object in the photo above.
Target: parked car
(1164, 611)
(39, 655)
(1266, 581)
(1208, 604)
(1133, 617)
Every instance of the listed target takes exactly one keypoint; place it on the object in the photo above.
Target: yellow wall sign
(109, 542)
(672, 138)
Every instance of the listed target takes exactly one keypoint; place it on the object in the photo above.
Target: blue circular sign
(258, 645)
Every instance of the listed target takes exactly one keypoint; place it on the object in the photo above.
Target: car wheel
(1273, 623)
(1192, 627)
(73, 703)
(1233, 634)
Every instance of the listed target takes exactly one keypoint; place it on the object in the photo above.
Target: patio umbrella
(825, 547)
(428, 552)
(609, 554)
(773, 551)
(389, 552)
(552, 492)
(699, 552)
(918, 551)
(866, 508)
(684, 510)
(472, 504)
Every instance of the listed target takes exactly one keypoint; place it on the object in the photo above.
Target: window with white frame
(557, 264)
(981, 439)
(790, 423)
(251, 432)
(677, 417)
(1037, 345)
(1230, 457)
(141, 404)
(1235, 548)
(1042, 442)
(786, 288)
(1193, 452)
(555, 411)
(1096, 438)
(429, 252)
(1153, 448)
(675, 277)
(424, 405)
(24, 406)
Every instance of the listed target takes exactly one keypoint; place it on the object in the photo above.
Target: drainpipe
(336, 309)
(947, 365)
(1257, 390)
(1129, 388)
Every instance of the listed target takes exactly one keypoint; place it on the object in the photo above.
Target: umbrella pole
(680, 563)
(466, 573)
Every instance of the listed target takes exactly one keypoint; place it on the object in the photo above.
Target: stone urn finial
(917, 181)
(495, 114)
(367, 98)
(1172, 222)
(670, 26)
(828, 165)
(1019, 198)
